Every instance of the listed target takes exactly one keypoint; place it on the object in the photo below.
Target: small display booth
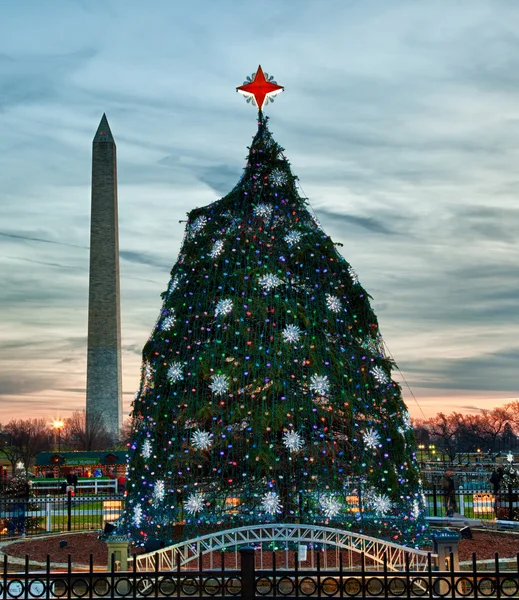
(100, 471)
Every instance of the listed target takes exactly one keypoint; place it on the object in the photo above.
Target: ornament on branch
(197, 225)
(146, 448)
(278, 177)
(371, 438)
(201, 440)
(270, 281)
(194, 503)
(291, 334)
(381, 504)
(331, 506)
(333, 303)
(380, 375)
(270, 503)
(217, 249)
(293, 441)
(292, 238)
(223, 307)
(264, 211)
(159, 491)
(319, 384)
(220, 384)
(353, 275)
(175, 372)
(137, 515)
(169, 321)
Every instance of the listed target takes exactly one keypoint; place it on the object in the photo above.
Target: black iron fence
(248, 583)
(475, 503)
(41, 514)
(31, 516)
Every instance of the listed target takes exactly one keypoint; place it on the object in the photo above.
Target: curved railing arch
(188, 553)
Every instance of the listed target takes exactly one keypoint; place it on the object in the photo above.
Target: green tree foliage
(266, 395)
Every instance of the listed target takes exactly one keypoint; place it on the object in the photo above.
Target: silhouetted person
(449, 493)
(495, 480)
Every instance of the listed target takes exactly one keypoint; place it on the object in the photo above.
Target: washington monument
(104, 395)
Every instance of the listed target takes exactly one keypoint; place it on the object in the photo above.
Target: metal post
(510, 504)
(248, 577)
(69, 511)
(435, 504)
(48, 516)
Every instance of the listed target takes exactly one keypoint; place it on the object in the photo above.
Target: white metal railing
(187, 553)
(91, 485)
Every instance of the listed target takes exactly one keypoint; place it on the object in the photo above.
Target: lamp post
(58, 424)
(421, 447)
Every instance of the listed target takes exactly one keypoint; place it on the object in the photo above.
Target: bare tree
(11, 452)
(82, 434)
(126, 433)
(421, 431)
(26, 438)
(444, 430)
(513, 411)
(488, 426)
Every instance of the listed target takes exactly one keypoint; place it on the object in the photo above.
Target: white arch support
(190, 551)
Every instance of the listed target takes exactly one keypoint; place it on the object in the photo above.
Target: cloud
(144, 258)
(36, 78)
(483, 371)
(29, 238)
(220, 178)
(368, 223)
(25, 383)
(47, 264)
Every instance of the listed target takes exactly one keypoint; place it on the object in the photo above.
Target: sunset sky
(401, 119)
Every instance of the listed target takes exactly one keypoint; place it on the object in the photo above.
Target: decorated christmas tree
(265, 394)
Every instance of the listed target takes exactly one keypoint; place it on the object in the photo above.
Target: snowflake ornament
(291, 334)
(197, 225)
(270, 281)
(380, 375)
(320, 384)
(137, 515)
(168, 321)
(159, 491)
(270, 503)
(201, 440)
(353, 275)
(278, 177)
(194, 503)
(331, 506)
(293, 441)
(175, 372)
(173, 285)
(371, 438)
(292, 238)
(217, 249)
(333, 303)
(406, 417)
(220, 384)
(146, 448)
(149, 371)
(223, 307)
(381, 503)
(415, 511)
(262, 210)
(510, 457)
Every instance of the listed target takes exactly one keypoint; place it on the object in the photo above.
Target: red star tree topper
(260, 88)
